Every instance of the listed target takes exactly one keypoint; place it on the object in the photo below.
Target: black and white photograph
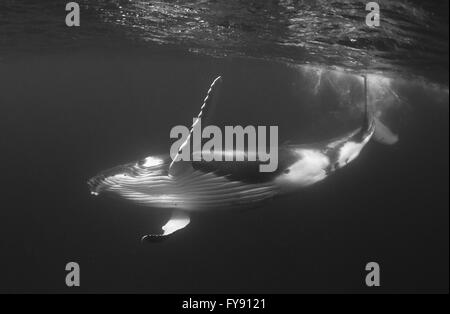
(224, 155)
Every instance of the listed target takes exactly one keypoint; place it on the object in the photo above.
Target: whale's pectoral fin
(206, 109)
(177, 221)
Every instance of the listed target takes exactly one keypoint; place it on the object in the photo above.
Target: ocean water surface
(78, 100)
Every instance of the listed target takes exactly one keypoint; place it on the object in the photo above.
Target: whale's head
(134, 176)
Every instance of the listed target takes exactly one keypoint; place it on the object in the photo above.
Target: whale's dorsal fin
(205, 112)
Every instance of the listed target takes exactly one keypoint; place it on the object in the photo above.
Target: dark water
(76, 101)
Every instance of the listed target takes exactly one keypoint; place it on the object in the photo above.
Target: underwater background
(75, 101)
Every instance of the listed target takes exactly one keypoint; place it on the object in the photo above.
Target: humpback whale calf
(185, 186)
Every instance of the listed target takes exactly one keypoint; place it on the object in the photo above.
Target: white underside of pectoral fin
(177, 221)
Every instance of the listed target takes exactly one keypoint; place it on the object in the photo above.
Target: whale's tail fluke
(381, 133)
(368, 127)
